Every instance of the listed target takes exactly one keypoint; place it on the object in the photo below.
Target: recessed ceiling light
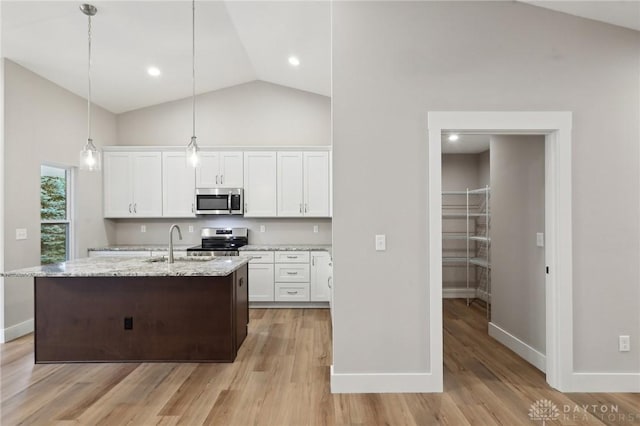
(153, 71)
(453, 137)
(293, 60)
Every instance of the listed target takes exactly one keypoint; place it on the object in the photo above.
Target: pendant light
(89, 156)
(193, 151)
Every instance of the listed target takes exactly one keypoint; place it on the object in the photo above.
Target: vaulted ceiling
(236, 42)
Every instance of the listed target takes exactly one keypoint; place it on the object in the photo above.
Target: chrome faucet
(174, 226)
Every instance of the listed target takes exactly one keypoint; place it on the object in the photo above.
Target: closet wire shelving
(478, 240)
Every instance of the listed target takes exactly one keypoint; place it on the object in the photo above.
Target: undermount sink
(165, 259)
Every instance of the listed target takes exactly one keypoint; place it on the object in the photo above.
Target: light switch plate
(381, 242)
(540, 239)
(191, 228)
(21, 233)
(624, 343)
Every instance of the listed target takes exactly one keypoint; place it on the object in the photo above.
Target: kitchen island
(111, 309)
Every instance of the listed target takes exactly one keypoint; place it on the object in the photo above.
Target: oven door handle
(229, 202)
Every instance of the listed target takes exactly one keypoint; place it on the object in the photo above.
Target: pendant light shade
(89, 156)
(193, 151)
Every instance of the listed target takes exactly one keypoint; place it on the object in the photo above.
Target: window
(55, 221)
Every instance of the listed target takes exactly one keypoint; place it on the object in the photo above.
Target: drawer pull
(292, 292)
(292, 273)
(292, 257)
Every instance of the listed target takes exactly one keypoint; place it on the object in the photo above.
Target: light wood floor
(281, 377)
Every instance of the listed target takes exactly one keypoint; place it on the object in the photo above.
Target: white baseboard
(458, 293)
(18, 330)
(528, 353)
(605, 382)
(385, 383)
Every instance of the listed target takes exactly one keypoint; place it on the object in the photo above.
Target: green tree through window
(54, 206)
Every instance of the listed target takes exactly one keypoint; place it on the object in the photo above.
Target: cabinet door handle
(246, 207)
(221, 179)
(329, 281)
(313, 261)
(292, 273)
(130, 208)
(135, 207)
(292, 292)
(193, 208)
(300, 207)
(305, 207)
(240, 282)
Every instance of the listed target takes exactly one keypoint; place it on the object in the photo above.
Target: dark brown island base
(123, 318)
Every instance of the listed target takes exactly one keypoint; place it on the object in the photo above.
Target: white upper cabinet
(178, 183)
(316, 184)
(290, 189)
(117, 184)
(303, 184)
(132, 184)
(260, 184)
(231, 170)
(220, 170)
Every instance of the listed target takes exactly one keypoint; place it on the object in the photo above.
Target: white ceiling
(236, 42)
(622, 13)
(467, 144)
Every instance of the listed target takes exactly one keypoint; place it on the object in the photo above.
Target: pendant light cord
(193, 61)
(89, 87)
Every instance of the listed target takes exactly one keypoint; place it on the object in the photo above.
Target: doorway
(556, 129)
(493, 241)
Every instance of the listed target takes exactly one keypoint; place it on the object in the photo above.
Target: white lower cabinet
(292, 272)
(261, 282)
(292, 292)
(289, 276)
(321, 274)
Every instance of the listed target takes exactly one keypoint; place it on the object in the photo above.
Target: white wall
(395, 61)
(517, 214)
(45, 123)
(251, 114)
(484, 169)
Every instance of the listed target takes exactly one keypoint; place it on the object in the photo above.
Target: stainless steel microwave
(219, 201)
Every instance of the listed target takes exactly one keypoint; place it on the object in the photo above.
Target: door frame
(556, 127)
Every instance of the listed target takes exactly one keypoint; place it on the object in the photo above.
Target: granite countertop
(286, 247)
(141, 247)
(134, 267)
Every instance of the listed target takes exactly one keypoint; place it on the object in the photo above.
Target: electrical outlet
(191, 228)
(262, 228)
(381, 242)
(315, 229)
(21, 234)
(143, 228)
(624, 343)
(128, 323)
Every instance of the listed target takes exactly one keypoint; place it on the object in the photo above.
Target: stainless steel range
(220, 242)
